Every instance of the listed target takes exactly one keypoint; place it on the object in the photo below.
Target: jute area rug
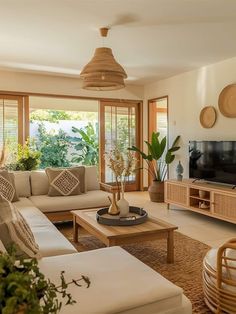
(185, 272)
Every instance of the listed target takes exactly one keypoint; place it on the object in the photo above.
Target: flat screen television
(213, 161)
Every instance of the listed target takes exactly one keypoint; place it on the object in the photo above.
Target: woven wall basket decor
(208, 117)
(227, 101)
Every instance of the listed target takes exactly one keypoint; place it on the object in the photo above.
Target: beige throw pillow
(7, 186)
(15, 230)
(65, 182)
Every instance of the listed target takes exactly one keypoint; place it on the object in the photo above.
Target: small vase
(113, 209)
(123, 204)
(179, 171)
(123, 207)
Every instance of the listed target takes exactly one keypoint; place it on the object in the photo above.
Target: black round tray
(139, 216)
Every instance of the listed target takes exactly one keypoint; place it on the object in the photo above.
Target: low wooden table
(152, 229)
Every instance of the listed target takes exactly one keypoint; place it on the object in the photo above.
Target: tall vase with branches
(122, 166)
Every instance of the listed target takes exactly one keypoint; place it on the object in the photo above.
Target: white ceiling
(151, 39)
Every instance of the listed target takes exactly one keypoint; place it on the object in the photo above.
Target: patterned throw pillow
(7, 186)
(65, 182)
(15, 230)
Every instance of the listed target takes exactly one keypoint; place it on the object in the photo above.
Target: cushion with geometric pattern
(14, 230)
(65, 182)
(7, 186)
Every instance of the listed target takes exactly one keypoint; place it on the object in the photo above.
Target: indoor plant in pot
(157, 159)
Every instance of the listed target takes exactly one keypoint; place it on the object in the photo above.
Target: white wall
(188, 93)
(59, 85)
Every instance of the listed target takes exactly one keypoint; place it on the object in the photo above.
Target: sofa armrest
(109, 188)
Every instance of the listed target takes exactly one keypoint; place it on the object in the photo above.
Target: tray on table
(136, 216)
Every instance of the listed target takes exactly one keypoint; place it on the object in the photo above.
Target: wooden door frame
(151, 123)
(139, 126)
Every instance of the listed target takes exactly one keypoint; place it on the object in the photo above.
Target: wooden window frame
(23, 115)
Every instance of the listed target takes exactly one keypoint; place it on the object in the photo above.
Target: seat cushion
(211, 259)
(50, 241)
(22, 183)
(39, 182)
(46, 204)
(119, 282)
(91, 178)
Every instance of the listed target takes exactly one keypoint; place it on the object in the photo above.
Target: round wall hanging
(208, 117)
(227, 101)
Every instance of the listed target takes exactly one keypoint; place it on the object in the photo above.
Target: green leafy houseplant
(157, 159)
(158, 156)
(25, 290)
(26, 157)
(86, 145)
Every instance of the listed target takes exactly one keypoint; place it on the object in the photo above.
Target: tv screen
(213, 161)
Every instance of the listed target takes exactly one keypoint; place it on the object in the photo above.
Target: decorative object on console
(103, 72)
(122, 167)
(179, 171)
(64, 182)
(208, 117)
(157, 160)
(202, 194)
(203, 205)
(227, 101)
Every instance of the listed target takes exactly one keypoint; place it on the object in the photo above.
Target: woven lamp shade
(103, 72)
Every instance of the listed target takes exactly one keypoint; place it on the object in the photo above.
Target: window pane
(161, 123)
(74, 132)
(120, 131)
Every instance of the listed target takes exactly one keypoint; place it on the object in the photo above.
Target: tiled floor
(205, 229)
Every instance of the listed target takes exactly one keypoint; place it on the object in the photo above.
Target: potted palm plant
(157, 159)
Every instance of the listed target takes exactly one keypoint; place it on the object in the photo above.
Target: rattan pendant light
(103, 72)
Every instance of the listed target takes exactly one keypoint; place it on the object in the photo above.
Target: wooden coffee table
(152, 229)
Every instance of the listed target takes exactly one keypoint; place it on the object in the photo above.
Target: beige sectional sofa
(34, 186)
(120, 283)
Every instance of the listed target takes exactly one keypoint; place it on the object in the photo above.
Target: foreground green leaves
(24, 289)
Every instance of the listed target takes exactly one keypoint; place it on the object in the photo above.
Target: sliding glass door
(119, 127)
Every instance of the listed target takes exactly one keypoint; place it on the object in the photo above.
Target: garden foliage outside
(64, 148)
(57, 147)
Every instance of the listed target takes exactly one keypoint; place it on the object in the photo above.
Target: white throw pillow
(15, 230)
